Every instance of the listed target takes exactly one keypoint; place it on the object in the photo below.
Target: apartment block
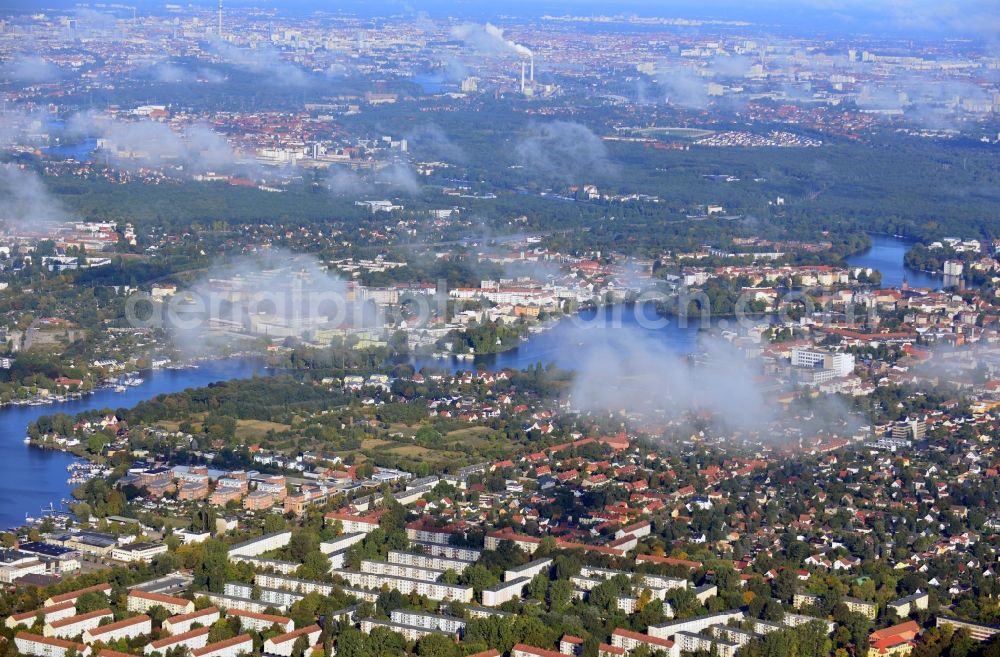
(231, 602)
(138, 552)
(352, 524)
(504, 591)
(269, 580)
(68, 628)
(280, 599)
(409, 633)
(192, 640)
(523, 650)
(140, 602)
(282, 645)
(48, 615)
(694, 625)
(406, 586)
(428, 561)
(128, 628)
(400, 570)
(692, 642)
(258, 546)
(528, 570)
(229, 648)
(41, 646)
(251, 620)
(628, 641)
(449, 551)
(341, 542)
(71, 596)
(182, 622)
(446, 624)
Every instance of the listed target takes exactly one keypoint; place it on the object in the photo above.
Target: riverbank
(32, 478)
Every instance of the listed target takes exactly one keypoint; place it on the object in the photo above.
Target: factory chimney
(522, 77)
(532, 77)
(219, 29)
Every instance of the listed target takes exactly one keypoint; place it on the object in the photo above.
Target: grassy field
(255, 429)
(683, 133)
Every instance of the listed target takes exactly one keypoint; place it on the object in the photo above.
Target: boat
(27, 440)
(120, 388)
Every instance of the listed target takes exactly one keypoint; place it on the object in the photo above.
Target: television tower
(219, 30)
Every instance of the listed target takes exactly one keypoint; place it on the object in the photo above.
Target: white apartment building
(428, 561)
(840, 363)
(527, 543)
(260, 563)
(528, 570)
(400, 570)
(138, 552)
(282, 645)
(691, 642)
(418, 532)
(524, 650)
(258, 546)
(71, 596)
(182, 622)
(230, 602)
(280, 599)
(644, 579)
(238, 589)
(794, 620)
(504, 591)
(128, 628)
(446, 624)
(406, 586)
(48, 614)
(352, 524)
(628, 641)
(192, 640)
(410, 633)
(341, 542)
(139, 602)
(476, 611)
(238, 645)
(639, 530)
(251, 620)
(268, 580)
(449, 551)
(694, 625)
(734, 634)
(75, 625)
(16, 564)
(40, 646)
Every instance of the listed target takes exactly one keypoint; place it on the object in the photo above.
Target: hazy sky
(976, 18)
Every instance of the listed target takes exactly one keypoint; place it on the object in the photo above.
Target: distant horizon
(967, 19)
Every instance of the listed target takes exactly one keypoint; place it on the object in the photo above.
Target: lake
(81, 152)
(33, 477)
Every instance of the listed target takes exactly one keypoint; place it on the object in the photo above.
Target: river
(31, 478)
(886, 255)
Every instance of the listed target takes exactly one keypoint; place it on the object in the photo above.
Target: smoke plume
(273, 295)
(563, 150)
(488, 39)
(145, 142)
(29, 69)
(25, 202)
